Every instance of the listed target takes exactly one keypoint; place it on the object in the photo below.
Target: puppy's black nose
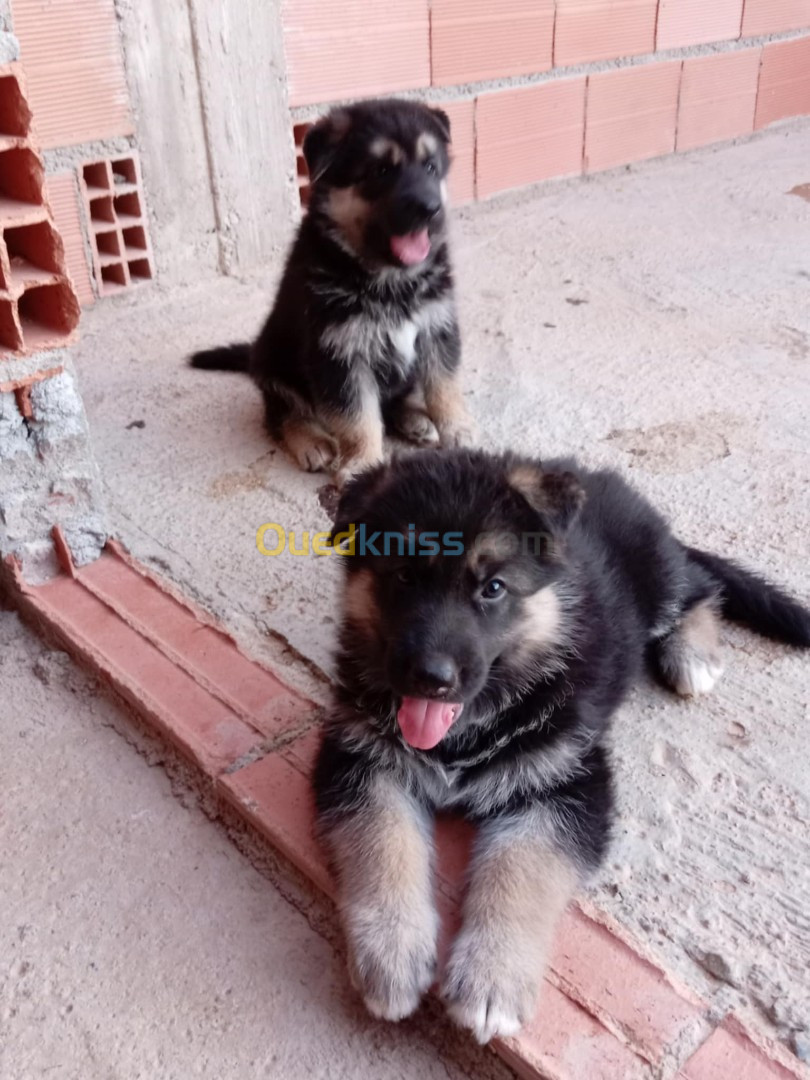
(435, 675)
(432, 206)
(422, 207)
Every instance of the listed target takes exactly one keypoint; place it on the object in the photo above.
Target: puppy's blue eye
(493, 590)
(383, 169)
(405, 576)
(430, 167)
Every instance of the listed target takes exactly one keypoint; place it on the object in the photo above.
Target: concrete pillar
(240, 63)
(162, 77)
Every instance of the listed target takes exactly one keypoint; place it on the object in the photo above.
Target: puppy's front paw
(416, 426)
(457, 433)
(492, 995)
(316, 455)
(392, 959)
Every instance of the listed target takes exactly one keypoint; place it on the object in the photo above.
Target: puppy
(495, 614)
(363, 334)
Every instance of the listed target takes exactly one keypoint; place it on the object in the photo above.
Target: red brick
(355, 49)
(718, 97)
(693, 22)
(63, 197)
(115, 207)
(564, 1042)
(22, 397)
(730, 1055)
(784, 81)
(631, 115)
(462, 171)
(774, 16)
(276, 797)
(450, 924)
(529, 134)
(64, 556)
(589, 30)
(74, 68)
(473, 40)
(623, 990)
(207, 654)
(301, 753)
(211, 734)
(13, 385)
(454, 841)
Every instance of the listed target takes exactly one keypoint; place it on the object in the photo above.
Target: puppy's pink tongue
(412, 248)
(425, 723)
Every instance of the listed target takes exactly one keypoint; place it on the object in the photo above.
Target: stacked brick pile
(48, 481)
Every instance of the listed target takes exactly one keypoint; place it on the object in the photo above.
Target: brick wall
(645, 78)
(71, 54)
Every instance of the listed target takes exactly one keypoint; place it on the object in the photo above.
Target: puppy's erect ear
(558, 496)
(357, 497)
(443, 120)
(322, 140)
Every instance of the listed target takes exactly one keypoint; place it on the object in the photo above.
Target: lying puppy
(363, 333)
(482, 654)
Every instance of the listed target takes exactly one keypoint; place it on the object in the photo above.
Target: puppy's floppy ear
(357, 497)
(322, 140)
(558, 496)
(443, 120)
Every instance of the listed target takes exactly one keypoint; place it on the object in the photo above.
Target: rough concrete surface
(655, 319)
(137, 942)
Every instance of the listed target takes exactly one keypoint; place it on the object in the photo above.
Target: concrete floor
(655, 319)
(137, 942)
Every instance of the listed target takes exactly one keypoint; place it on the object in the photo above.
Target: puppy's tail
(749, 599)
(223, 358)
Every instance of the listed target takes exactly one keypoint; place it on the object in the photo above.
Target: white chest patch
(404, 340)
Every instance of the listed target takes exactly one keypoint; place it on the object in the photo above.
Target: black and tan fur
(357, 342)
(540, 663)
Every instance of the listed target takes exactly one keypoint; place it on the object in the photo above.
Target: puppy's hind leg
(291, 423)
(358, 425)
(311, 446)
(688, 657)
(445, 407)
(409, 419)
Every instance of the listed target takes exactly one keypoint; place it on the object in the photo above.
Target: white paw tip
(391, 1010)
(485, 1023)
(699, 678)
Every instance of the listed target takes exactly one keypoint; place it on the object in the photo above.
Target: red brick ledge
(606, 1012)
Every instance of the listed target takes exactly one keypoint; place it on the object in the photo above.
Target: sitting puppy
(495, 614)
(363, 334)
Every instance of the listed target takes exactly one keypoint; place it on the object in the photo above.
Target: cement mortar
(9, 44)
(47, 473)
(654, 319)
(14, 438)
(68, 158)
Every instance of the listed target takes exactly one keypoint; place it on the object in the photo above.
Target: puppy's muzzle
(435, 676)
